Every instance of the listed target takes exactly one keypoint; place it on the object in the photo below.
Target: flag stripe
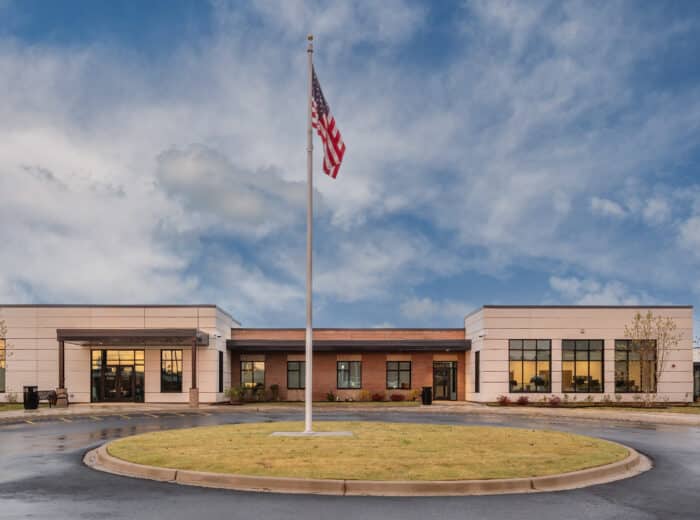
(324, 123)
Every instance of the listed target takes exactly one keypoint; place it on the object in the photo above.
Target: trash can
(427, 395)
(31, 398)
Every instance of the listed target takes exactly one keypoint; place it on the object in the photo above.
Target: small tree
(655, 337)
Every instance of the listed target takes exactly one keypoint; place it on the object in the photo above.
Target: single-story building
(193, 353)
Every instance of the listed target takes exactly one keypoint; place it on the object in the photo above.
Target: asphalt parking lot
(42, 476)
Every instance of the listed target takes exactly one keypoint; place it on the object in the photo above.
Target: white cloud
(690, 234)
(656, 211)
(580, 291)
(606, 208)
(427, 310)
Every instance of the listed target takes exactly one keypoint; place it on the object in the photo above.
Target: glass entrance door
(445, 380)
(117, 375)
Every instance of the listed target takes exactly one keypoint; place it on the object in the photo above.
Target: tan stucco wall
(491, 328)
(32, 348)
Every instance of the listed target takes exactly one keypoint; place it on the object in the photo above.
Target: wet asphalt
(42, 476)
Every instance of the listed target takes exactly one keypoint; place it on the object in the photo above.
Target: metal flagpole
(308, 384)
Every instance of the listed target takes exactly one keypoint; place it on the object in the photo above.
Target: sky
(497, 153)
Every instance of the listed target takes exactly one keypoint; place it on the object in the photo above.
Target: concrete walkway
(592, 414)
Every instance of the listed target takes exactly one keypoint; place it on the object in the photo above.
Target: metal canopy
(133, 337)
(250, 346)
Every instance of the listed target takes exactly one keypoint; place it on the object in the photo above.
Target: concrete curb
(633, 465)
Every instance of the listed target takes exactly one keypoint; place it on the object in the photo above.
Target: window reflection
(349, 374)
(253, 374)
(530, 365)
(582, 365)
(635, 366)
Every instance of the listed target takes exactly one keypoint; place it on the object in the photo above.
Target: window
(635, 366)
(398, 375)
(530, 365)
(253, 374)
(2, 364)
(349, 374)
(221, 371)
(477, 371)
(171, 370)
(296, 375)
(582, 365)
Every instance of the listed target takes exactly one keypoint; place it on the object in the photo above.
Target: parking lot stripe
(151, 415)
(29, 422)
(64, 419)
(95, 418)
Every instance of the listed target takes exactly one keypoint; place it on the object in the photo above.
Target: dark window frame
(299, 371)
(3, 364)
(588, 351)
(221, 371)
(477, 371)
(349, 370)
(548, 388)
(626, 389)
(399, 371)
(164, 390)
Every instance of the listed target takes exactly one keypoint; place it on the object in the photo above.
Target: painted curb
(632, 465)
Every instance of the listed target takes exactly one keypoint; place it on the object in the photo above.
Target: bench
(49, 396)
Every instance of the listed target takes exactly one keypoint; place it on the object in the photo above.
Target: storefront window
(349, 374)
(253, 374)
(530, 365)
(582, 365)
(398, 375)
(635, 366)
(296, 375)
(171, 370)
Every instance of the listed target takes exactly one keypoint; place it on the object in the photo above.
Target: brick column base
(194, 397)
(61, 398)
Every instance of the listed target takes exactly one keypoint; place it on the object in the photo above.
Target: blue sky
(498, 152)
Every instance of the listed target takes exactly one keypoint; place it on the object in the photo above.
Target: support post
(194, 391)
(308, 365)
(61, 393)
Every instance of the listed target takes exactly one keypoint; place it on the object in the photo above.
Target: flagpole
(308, 383)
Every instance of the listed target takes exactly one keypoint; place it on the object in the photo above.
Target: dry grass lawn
(377, 451)
(8, 407)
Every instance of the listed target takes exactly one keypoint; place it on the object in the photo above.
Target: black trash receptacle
(31, 398)
(427, 395)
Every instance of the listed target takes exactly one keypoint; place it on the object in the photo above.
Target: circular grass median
(377, 451)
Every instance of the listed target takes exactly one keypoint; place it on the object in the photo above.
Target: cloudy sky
(497, 152)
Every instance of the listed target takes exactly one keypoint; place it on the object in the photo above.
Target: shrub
(330, 396)
(379, 396)
(398, 397)
(618, 397)
(235, 393)
(275, 390)
(12, 398)
(414, 395)
(260, 393)
(523, 400)
(555, 401)
(589, 398)
(503, 400)
(364, 395)
(606, 399)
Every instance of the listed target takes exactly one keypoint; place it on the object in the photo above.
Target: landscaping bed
(376, 451)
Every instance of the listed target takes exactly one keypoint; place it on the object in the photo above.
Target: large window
(296, 375)
(530, 365)
(2, 364)
(171, 370)
(477, 372)
(349, 374)
(398, 375)
(253, 374)
(635, 366)
(582, 365)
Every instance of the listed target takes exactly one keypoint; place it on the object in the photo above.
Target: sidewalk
(444, 407)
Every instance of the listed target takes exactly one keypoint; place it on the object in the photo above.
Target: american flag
(324, 123)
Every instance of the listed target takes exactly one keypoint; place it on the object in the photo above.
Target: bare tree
(655, 337)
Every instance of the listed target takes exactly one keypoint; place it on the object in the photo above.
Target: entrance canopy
(133, 337)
